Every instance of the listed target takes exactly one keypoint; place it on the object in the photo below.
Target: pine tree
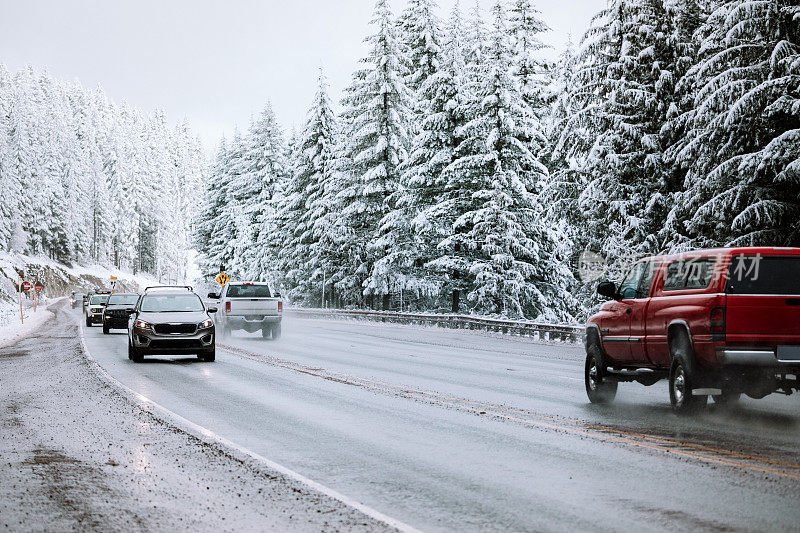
(742, 184)
(377, 116)
(422, 216)
(312, 167)
(499, 241)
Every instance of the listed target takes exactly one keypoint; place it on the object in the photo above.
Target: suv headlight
(206, 324)
(141, 324)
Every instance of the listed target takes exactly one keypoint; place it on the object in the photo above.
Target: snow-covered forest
(86, 180)
(464, 170)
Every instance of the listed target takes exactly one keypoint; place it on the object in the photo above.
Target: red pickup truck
(715, 323)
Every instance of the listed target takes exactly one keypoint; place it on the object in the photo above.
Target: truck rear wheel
(683, 377)
(681, 389)
(597, 390)
(276, 331)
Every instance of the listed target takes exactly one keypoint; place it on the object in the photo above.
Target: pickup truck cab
(249, 306)
(714, 323)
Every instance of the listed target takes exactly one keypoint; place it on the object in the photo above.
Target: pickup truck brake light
(717, 323)
(227, 307)
(280, 306)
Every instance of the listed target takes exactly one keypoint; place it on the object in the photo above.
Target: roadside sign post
(37, 291)
(19, 289)
(25, 286)
(222, 279)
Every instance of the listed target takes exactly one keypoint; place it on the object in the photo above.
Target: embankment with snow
(58, 281)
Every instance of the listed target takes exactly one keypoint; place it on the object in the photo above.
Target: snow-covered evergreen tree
(377, 113)
(303, 203)
(742, 150)
(499, 242)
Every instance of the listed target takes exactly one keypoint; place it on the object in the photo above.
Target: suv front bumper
(147, 341)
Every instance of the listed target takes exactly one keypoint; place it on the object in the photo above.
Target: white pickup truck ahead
(250, 306)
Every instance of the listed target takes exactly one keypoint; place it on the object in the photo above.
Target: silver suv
(171, 320)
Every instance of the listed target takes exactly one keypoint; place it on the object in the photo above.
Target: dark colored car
(171, 320)
(117, 311)
(717, 323)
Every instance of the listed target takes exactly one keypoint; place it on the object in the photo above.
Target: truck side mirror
(277, 295)
(608, 289)
(213, 296)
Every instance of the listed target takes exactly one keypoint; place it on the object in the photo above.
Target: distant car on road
(117, 311)
(75, 297)
(249, 306)
(94, 308)
(171, 320)
(714, 323)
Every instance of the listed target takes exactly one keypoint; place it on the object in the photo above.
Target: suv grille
(170, 329)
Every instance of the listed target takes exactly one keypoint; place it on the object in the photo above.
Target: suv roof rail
(187, 287)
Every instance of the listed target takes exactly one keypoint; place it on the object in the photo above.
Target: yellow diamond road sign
(223, 278)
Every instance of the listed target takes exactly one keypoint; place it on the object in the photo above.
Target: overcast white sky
(216, 63)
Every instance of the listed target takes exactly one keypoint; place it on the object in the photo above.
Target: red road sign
(26, 286)
(37, 288)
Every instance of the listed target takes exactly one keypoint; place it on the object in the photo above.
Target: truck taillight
(280, 306)
(227, 307)
(717, 323)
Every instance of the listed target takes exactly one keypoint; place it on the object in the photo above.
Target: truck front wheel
(598, 390)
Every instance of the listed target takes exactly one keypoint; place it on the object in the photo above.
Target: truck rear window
(764, 274)
(249, 291)
(695, 273)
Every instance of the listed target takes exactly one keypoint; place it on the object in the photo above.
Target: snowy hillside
(58, 279)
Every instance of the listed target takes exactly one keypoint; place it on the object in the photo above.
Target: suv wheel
(597, 390)
(208, 356)
(105, 328)
(134, 354)
(88, 322)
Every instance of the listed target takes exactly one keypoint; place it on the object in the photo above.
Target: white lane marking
(203, 433)
(570, 377)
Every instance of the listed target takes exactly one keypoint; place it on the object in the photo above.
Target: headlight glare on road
(141, 324)
(206, 324)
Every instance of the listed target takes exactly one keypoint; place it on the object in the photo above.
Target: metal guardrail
(524, 328)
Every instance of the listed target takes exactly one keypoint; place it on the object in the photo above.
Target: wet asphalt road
(456, 430)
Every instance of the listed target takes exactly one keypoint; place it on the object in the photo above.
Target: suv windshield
(171, 303)
(763, 274)
(248, 291)
(123, 299)
(99, 299)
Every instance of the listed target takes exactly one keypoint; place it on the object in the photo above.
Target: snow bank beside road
(11, 328)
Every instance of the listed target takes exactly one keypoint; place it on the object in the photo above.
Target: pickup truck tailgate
(253, 306)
